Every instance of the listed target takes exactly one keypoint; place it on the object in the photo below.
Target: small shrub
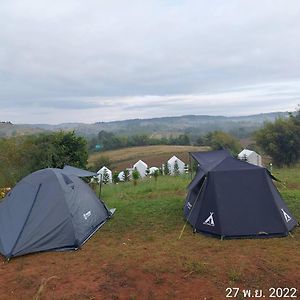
(195, 267)
(115, 178)
(135, 176)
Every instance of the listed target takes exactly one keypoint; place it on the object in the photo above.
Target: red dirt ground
(161, 267)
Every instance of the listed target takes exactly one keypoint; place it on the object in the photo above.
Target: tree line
(109, 141)
(22, 155)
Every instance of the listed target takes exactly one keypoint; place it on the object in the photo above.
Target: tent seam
(27, 218)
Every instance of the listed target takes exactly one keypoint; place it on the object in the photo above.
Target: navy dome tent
(51, 209)
(232, 198)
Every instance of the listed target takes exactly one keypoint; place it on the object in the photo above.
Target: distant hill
(8, 129)
(192, 124)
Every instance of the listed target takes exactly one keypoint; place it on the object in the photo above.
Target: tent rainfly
(230, 198)
(51, 209)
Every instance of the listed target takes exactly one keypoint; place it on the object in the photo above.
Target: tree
(100, 162)
(200, 141)
(14, 160)
(105, 176)
(126, 175)
(135, 176)
(281, 140)
(176, 168)
(57, 149)
(20, 156)
(219, 140)
(183, 139)
(115, 178)
(167, 169)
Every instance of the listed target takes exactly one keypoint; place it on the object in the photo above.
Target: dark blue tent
(51, 209)
(232, 198)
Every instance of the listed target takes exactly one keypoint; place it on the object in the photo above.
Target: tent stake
(182, 230)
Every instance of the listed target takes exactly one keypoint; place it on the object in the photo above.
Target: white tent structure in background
(101, 173)
(180, 163)
(141, 167)
(153, 170)
(251, 157)
(122, 175)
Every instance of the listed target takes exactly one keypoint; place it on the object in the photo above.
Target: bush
(135, 176)
(281, 140)
(166, 169)
(100, 162)
(20, 156)
(115, 178)
(219, 140)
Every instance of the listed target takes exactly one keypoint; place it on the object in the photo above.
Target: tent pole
(191, 168)
(198, 196)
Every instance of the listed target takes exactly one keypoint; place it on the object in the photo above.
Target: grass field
(137, 254)
(152, 155)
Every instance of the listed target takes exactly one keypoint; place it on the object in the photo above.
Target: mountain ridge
(190, 124)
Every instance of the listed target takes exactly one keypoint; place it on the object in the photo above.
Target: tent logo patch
(286, 216)
(189, 205)
(210, 220)
(87, 214)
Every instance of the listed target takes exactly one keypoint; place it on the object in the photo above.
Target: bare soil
(159, 266)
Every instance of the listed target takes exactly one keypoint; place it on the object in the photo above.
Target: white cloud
(58, 55)
(276, 96)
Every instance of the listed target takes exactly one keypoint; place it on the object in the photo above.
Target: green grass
(290, 177)
(290, 188)
(149, 205)
(159, 205)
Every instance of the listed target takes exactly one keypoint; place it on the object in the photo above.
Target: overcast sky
(93, 60)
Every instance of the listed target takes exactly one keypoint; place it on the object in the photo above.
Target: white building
(141, 167)
(101, 173)
(251, 157)
(180, 163)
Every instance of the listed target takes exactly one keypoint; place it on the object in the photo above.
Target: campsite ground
(137, 254)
